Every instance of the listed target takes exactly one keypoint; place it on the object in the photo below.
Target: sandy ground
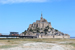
(38, 46)
(1, 44)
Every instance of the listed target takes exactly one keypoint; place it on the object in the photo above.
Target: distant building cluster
(14, 33)
(43, 29)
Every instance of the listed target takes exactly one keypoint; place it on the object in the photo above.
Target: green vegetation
(47, 27)
(45, 33)
(37, 30)
(8, 43)
(56, 30)
(51, 28)
(73, 44)
(45, 30)
(24, 32)
(14, 41)
(7, 46)
(31, 30)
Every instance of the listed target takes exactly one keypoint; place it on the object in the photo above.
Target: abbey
(43, 29)
(42, 23)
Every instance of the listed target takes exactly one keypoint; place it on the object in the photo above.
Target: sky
(16, 15)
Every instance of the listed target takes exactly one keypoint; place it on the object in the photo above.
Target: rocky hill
(43, 28)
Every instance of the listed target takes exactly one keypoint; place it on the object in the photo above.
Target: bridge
(7, 36)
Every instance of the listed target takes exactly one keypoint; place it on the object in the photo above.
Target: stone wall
(44, 36)
(66, 36)
(58, 36)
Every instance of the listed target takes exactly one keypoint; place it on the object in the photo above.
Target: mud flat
(37, 44)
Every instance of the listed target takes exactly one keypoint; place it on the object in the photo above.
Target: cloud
(20, 1)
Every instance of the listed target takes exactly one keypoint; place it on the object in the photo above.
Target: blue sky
(16, 15)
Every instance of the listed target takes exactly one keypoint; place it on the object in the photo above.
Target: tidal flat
(37, 44)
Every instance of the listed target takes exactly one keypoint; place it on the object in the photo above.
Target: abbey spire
(41, 16)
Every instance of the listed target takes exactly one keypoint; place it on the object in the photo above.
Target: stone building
(42, 23)
(43, 29)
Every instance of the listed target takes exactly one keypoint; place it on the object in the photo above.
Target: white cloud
(20, 1)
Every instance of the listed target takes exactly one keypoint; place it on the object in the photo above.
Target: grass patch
(73, 44)
(36, 40)
(6, 46)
